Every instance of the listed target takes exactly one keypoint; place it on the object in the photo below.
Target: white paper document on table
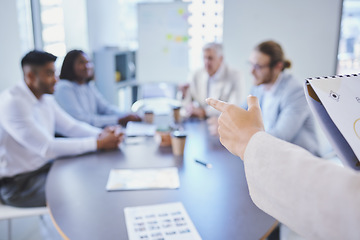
(340, 96)
(135, 129)
(140, 179)
(168, 221)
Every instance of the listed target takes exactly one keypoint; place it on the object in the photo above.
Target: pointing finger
(218, 105)
(253, 104)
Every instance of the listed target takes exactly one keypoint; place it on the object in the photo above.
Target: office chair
(9, 212)
(158, 97)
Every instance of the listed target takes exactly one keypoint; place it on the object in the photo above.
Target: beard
(47, 88)
(266, 79)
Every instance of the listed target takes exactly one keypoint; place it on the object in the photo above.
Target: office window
(52, 27)
(41, 26)
(349, 43)
(25, 25)
(206, 25)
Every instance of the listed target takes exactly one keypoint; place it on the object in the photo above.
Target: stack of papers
(164, 221)
(137, 179)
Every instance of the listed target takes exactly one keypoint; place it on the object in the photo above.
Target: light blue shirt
(286, 114)
(85, 103)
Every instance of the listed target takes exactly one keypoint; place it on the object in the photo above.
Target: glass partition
(349, 42)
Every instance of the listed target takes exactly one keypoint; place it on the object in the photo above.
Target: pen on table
(208, 165)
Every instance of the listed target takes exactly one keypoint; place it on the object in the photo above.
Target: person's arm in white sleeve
(68, 126)
(315, 198)
(20, 124)
(107, 138)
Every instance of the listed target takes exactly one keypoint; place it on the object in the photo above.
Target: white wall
(103, 24)
(75, 23)
(306, 29)
(10, 50)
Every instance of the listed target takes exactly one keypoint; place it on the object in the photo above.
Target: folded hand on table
(110, 138)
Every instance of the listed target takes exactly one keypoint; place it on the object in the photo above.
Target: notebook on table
(335, 102)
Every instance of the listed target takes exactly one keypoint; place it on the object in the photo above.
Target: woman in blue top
(78, 96)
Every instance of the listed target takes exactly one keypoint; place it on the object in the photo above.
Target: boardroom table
(216, 199)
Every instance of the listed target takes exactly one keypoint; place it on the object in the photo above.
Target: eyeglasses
(258, 67)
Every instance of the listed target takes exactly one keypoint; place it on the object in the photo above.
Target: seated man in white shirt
(215, 80)
(285, 112)
(30, 117)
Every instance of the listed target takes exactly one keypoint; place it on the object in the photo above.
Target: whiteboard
(163, 42)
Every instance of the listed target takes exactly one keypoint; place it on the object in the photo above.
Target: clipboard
(337, 139)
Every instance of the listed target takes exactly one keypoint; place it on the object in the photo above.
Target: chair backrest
(9, 212)
(158, 97)
(160, 106)
(157, 90)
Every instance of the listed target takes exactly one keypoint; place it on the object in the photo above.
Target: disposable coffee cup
(149, 116)
(178, 140)
(164, 138)
(176, 112)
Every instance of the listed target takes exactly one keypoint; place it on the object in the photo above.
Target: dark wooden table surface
(217, 200)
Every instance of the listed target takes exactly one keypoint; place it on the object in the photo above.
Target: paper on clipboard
(335, 101)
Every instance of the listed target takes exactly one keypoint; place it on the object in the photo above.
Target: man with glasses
(282, 100)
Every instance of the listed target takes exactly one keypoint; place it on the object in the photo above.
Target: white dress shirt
(224, 85)
(214, 84)
(315, 198)
(27, 128)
